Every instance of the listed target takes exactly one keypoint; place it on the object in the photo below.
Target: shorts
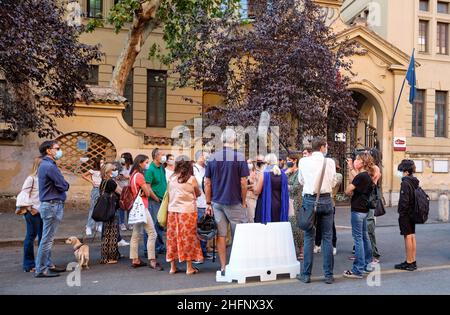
(224, 214)
(407, 225)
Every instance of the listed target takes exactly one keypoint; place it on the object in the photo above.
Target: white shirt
(309, 170)
(199, 173)
(168, 174)
(96, 177)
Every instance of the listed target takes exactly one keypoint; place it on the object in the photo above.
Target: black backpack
(421, 205)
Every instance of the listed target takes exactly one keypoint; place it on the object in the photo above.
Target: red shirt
(136, 181)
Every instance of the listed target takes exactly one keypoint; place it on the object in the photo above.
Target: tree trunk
(143, 24)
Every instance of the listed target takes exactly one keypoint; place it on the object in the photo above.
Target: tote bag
(138, 210)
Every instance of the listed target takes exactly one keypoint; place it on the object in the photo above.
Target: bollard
(443, 208)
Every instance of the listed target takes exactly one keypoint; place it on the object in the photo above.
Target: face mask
(250, 166)
(399, 174)
(163, 159)
(122, 161)
(170, 162)
(325, 153)
(59, 154)
(146, 166)
(290, 164)
(114, 174)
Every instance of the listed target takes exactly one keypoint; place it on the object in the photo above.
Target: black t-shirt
(360, 199)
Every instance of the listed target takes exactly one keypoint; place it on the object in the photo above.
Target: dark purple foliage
(43, 64)
(286, 62)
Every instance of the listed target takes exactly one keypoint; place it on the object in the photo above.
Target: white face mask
(163, 159)
(170, 162)
(399, 174)
(250, 166)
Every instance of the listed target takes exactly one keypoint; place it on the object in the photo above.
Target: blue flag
(411, 77)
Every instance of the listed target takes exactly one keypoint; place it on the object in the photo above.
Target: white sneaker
(123, 227)
(123, 243)
(88, 231)
(334, 251)
(316, 249)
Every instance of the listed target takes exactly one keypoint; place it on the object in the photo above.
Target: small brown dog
(81, 251)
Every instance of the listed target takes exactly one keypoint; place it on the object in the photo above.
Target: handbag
(163, 209)
(373, 198)
(24, 204)
(105, 207)
(379, 209)
(138, 210)
(306, 219)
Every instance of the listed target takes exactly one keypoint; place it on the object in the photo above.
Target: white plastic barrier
(264, 250)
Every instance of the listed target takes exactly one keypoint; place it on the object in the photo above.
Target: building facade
(422, 25)
(387, 30)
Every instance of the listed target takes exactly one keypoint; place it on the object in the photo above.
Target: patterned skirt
(182, 240)
(110, 249)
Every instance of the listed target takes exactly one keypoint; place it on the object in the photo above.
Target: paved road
(433, 257)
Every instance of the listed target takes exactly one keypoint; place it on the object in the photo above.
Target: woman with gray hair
(273, 193)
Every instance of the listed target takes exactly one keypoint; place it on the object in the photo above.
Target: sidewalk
(13, 226)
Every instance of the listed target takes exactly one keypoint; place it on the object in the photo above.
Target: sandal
(193, 272)
(172, 272)
(157, 266)
(141, 264)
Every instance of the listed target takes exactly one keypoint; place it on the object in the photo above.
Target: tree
(287, 62)
(43, 63)
(176, 18)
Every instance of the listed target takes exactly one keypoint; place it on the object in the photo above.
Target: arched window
(80, 148)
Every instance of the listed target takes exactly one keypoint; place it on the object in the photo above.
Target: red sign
(400, 144)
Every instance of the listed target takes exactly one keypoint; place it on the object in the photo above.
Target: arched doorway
(367, 133)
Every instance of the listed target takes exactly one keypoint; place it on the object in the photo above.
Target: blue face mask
(114, 174)
(59, 154)
(146, 166)
(399, 174)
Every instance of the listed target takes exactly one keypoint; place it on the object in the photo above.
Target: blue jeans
(200, 214)
(363, 249)
(153, 208)
(325, 218)
(95, 193)
(34, 228)
(122, 216)
(51, 214)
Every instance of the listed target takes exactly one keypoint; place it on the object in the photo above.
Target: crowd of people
(227, 187)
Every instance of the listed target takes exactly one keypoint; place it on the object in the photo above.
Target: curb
(15, 242)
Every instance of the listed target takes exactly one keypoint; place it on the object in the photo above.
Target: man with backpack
(413, 207)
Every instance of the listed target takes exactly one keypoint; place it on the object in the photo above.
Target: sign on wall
(399, 143)
(419, 166)
(440, 166)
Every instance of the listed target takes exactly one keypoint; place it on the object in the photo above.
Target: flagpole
(399, 96)
(396, 106)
